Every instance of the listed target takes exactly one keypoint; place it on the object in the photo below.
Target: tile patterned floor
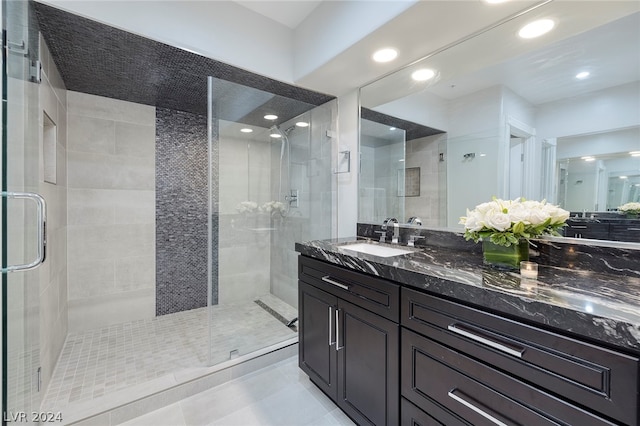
(279, 395)
(99, 362)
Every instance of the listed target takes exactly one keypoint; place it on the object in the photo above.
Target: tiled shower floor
(99, 362)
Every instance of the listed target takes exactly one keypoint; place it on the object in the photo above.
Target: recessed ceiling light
(270, 117)
(275, 135)
(624, 177)
(588, 158)
(582, 75)
(536, 28)
(635, 153)
(495, 1)
(392, 128)
(423, 74)
(385, 55)
(302, 124)
(246, 130)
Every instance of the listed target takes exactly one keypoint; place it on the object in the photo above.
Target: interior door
(23, 215)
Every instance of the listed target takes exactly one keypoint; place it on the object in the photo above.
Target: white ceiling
(322, 45)
(289, 13)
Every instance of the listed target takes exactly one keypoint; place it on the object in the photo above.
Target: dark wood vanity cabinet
(487, 369)
(447, 363)
(349, 341)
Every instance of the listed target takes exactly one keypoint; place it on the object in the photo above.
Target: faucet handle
(413, 238)
(383, 235)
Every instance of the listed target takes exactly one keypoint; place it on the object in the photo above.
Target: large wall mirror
(555, 117)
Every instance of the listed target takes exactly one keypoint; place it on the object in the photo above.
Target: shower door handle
(41, 211)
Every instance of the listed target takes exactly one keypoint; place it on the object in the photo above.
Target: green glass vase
(502, 257)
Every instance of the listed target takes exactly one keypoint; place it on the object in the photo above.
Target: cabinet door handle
(338, 347)
(327, 279)
(331, 342)
(578, 227)
(474, 408)
(458, 329)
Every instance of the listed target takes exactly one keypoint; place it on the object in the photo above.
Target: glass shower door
(22, 217)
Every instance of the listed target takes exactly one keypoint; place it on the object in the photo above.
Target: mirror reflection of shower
(290, 198)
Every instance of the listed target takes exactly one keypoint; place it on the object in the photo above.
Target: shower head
(275, 129)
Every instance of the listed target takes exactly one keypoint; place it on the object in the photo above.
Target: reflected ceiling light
(536, 28)
(423, 74)
(582, 75)
(270, 117)
(588, 158)
(623, 177)
(392, 128)
(495, 1)
(635, 153)
(302, 124)
(246, 130)
(385, 55)
(275, 135)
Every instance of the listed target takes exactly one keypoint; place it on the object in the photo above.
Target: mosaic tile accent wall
(181, 211)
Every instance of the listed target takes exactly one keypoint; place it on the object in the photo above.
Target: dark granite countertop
(599, 307)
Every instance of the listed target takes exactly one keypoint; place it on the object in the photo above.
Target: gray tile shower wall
(181, 211)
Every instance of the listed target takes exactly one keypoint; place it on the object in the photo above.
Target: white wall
(614, 108)
(623, 140)
(347, 183)
(475, 128)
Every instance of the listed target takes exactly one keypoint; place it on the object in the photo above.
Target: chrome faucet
(396, 229)
(388, 221)
(396, 233)
(415, 220)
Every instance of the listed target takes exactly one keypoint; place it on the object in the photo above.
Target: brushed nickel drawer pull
(327, 279)
(338, 347)
(456, 328)
(331, 342)
(474, 408)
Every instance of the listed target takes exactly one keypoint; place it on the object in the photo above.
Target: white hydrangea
(506, 221)
(630, 208)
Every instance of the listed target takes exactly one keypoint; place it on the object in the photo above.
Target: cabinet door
(368, 368)
(317, 355)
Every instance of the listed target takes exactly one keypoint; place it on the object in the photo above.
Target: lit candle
(528, 269)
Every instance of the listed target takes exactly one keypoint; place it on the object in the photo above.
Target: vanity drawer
(629, 233)
(410, 415)
(594, 377)
(477, 393)
(374, 294)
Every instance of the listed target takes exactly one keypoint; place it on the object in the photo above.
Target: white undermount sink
(376, 249)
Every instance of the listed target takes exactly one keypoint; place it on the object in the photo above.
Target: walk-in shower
(173, 220)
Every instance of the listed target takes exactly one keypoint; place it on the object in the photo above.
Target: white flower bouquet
(506, 222)
(273, 207)
(247, 207)
(630, 208)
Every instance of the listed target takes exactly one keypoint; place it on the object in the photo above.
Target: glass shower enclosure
(270, 182)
